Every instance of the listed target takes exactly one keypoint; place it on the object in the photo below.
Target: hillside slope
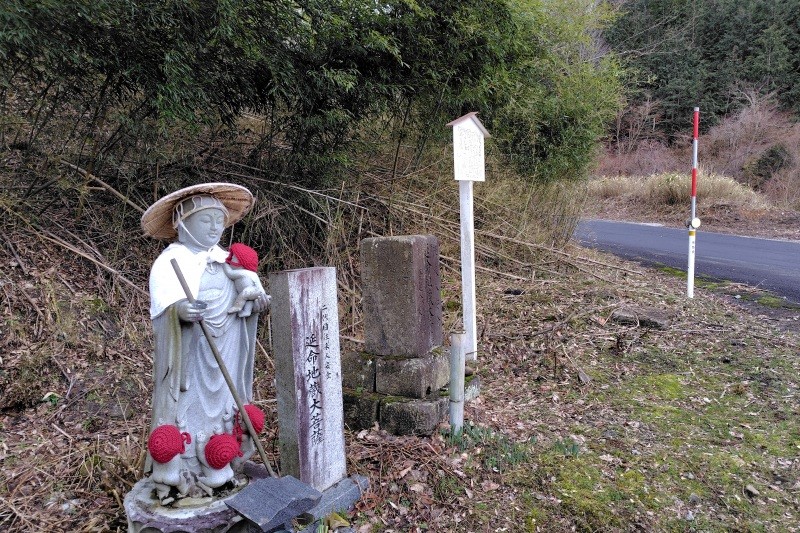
(586, 419)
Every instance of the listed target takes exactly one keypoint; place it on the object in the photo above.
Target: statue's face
(206, 226)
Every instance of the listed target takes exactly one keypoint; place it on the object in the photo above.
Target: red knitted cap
(256, 416)
(221, 450)
(246, 257)
(166, 442)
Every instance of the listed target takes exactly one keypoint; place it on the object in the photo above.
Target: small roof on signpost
(473, 117)
(468, 158)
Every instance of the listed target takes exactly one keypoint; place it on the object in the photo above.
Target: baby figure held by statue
(242, 267)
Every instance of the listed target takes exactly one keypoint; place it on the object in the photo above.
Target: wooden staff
(224, 370)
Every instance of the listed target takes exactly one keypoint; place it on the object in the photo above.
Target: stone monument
(305, 325)
(397, 379)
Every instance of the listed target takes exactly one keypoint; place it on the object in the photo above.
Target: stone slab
(645, 317)
(401, 290)
(358, 371)
(338, 498)
(341, 498)
(271, 503)
(412, 377)
(305, 333)
(412, 417)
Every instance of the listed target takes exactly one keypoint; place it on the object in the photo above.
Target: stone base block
(401, 416)
(340, 497)
(358, 371)
(361, 409)
(412, 377)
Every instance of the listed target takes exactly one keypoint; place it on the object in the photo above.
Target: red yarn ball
(246, 257)
(221, 450)
(166, 442)
(256, 417)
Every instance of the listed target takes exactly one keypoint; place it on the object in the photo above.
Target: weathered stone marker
(398, 377)
(305, 322)
(401, 295)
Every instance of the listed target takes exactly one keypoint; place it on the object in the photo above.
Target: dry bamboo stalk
(486, 269)
(104, 185)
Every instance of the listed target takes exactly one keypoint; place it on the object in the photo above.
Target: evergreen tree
(709, 53)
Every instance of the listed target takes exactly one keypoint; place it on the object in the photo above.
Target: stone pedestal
(147, 515)
(189, 515)
(207, 515)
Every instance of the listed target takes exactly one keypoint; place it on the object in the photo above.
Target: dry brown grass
(671, 192)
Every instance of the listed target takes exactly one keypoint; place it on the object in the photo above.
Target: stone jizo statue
(198, 441)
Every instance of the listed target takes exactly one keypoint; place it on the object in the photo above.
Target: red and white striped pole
(693, 223)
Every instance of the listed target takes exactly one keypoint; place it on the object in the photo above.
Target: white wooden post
(456, 382)
(468, 270)
(469, 166)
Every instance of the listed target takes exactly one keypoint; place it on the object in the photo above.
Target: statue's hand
(191, 312)
(261, 303)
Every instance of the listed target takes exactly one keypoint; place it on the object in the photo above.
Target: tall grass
(670, 190)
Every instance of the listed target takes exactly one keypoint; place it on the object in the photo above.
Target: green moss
(655, 387)
(97, 306)
(591, 499)
(452, 305)
(438, 351)
(671, 271)
(775, 302)
(389, 399)
(705, 282)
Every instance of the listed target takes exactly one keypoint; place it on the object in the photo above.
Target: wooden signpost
(469, 167)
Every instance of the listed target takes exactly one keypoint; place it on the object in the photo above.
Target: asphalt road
(766, 263)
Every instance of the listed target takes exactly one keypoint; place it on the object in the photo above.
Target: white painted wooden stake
(468, 167)
(457, 364)
(690, 266)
